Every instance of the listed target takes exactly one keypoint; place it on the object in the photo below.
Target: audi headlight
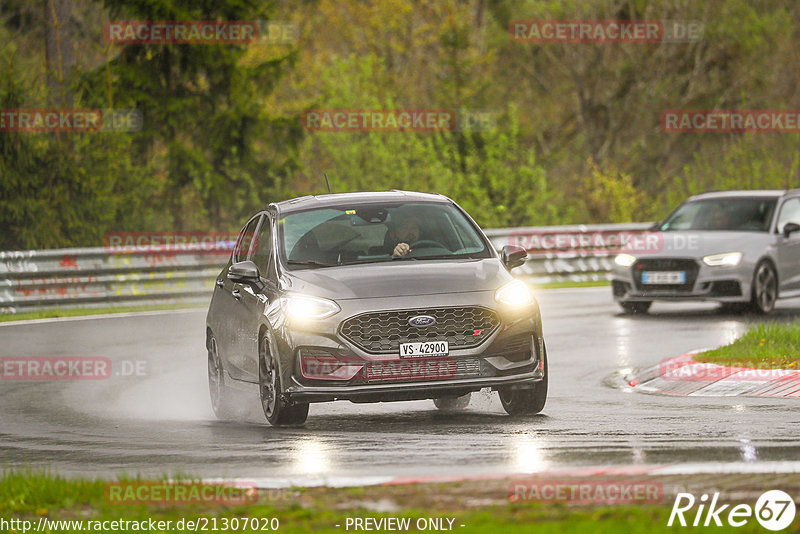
(304, 307)
(624, 260)
(728, 259)
(514, 293)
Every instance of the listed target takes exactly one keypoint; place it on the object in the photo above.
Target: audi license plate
(424, 349)
(664, 277)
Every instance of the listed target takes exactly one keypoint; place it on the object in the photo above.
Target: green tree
(217, 153)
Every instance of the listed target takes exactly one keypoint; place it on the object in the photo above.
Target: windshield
(375, 233)
(733, 214)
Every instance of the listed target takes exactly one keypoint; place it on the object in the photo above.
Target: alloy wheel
(766, 288)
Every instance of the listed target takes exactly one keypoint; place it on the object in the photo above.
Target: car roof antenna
(326, 181)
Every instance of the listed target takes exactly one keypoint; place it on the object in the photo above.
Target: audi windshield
(751, 214)
(375, 233)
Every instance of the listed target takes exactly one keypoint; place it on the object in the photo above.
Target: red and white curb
(682, 375)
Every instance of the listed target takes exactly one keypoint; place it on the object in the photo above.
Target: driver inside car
(405, 232)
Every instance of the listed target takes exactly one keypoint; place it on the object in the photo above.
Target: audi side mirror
(513, 256)
(790, 228)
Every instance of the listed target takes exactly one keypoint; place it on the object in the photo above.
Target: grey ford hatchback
(371, 297)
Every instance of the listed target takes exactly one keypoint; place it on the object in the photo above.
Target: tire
(270, 386)
(526, 401)
(452, 404)
(635, 308)
(222, 401)
(764, 291)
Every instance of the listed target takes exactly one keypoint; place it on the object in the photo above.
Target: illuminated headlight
(728, 259)
(304, 307)
(514, 293)
(624, 260)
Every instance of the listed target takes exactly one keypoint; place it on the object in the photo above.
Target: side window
(263, 248)
(245, 240)
(790, 212)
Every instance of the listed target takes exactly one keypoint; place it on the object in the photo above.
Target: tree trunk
(59, 56)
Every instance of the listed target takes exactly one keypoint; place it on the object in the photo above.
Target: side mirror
(655, 226)
(245, 272)
(790, 228)
(513, 256)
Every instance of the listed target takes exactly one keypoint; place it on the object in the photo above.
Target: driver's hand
(401, 250)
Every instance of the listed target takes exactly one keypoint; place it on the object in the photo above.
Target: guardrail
(95, 277)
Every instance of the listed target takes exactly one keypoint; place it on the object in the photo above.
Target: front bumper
(497, 362)
(716, 284)
(409, 390)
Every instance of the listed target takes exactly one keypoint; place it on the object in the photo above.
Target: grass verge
(764, 346)
(78, 312)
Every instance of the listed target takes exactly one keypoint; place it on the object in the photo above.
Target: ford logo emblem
(421, 320)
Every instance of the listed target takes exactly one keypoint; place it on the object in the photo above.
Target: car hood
(699, 244)
(398, 279)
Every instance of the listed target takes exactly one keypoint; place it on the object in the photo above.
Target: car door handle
(220, 283)
(236, 294)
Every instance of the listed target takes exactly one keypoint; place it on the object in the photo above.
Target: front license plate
(423, 349)
(664, 277)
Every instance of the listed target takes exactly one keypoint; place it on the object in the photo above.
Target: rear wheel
(526, 401)
(764, 288)
(221, 395)
(635, 308)
(452, 404)
(276, 409)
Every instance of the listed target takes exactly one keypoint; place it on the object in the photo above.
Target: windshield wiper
(310, 263)
(371, 260)
(447, 257)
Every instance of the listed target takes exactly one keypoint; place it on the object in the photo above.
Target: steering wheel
(426, 243)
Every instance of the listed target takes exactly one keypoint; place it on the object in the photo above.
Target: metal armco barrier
(93, 277)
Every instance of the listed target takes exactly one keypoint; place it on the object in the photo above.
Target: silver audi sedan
(739, 248)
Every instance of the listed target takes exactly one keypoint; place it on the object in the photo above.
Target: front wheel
(526, 401)
(764, 292)
(276, 409)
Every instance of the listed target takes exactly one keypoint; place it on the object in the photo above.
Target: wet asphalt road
(161, 422)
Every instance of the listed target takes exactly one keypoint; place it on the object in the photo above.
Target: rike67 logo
(774, 510)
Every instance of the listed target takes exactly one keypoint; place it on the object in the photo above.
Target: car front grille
(690, 267)
(382, 332)
(421, 369)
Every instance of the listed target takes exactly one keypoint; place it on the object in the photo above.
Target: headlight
(728, 259)
(304, 307)
(624, 260)
(514, 293)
